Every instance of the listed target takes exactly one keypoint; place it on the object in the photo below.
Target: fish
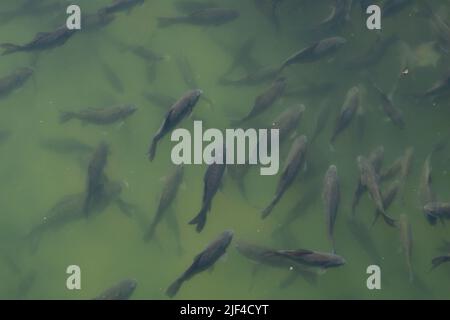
(376, 158)
(42, 41)
(14, 80)
(168, 195)
(389, 109)
(288, 121)
(177, 112)
(347, 113)
(374, 54)
(70, 208)
(294, 162)
(159, 99)
(94, 183)
(120, 5)
(437, 210)
(440, 26)
(204, 17)
(203, 261)
(315, 52)
(66, 145)
(370, 181)
(406, 240)
(331, 197)
(313, 258)
(321, 120)
(212, 181)
(437, 261)
(426, 193)
(120, 291)
(391, 8)
(270, 257)
(340, 14)
(266, 99)
(388, 198)
(99, 116)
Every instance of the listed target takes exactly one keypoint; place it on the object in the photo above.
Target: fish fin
(174, 287)
(265, 213)
(9, 48)
(65, 116)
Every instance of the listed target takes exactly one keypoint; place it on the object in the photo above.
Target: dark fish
(266, 99)
(374, 55)
(70, 208)
(112, 77)
(187, 6)
(406, 240)
(160, 100)
(437, 210)
(347, 113)
(294, 162)
(14, 80)
(393, 7)
(313, 258)
(370, 181)
(177, 112)
(205, 17)
(211, 184)
(288, 121)
(321, 120)
(4, 135)
(376, 159)
(120, 5)
(100, 116)
(42, 41)
(316, 51)
(187, 72)
(94, 184)
(437, 261)
(120, 291)
(251, 79)
(270, 257)
(426, 194)
(363, 238)
(441, 87)
(203, 261)
(394, 113)
(388, 198)
(66, 145)
(331, 197)
(168, 195)
(340, 14)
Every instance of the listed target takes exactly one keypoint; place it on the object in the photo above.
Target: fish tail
(152, 149)
(390, 221)
(164, 22)
(65, 116)
(200, 219)
(174, 287)
(150, 232)
(9, 48)
(270, 207)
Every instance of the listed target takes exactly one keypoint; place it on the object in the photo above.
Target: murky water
(109, 246)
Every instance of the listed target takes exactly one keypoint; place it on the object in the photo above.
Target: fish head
(336, 261)
(195, 95)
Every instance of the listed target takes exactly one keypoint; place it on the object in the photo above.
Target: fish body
(120, 291)
(177, 112)
(437, 261)
(313, 258)
(440, 210)
(331, 198)
(390, 110)
(288, 121)
(203, 261)
(14, 80)
(347, 113)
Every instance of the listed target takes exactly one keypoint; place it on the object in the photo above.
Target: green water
(109, 247)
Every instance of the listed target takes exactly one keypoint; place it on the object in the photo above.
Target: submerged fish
(313, 258)
(389, 196)
(187, 72)
(100, 116)
(340, 14)
(204, 17)
(316, 51)
(288, 121)
(42, 41)
(406, 240)
(321, 120)
(120, 291)
(177, 112)
(203, 261)
(347, 113)
(437, 261)
(437, 210)
(14, 80)
(95, 176)
(331, 198)
(211, 184)
(120, 5)
(266, 99)
(294, 162)
(168, 195)
(112, 77)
